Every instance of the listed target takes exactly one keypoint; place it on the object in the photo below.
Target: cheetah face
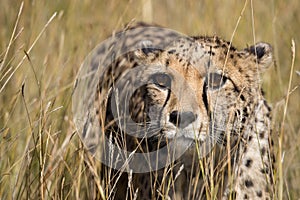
(193, 94)
(171, 101)
(194, 89)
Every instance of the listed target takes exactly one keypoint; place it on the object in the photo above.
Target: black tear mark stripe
(204, 96)
(164, 105)
(168, 98)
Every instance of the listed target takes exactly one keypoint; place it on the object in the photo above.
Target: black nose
(182, 119)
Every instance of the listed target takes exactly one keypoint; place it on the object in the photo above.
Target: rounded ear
(263, 52)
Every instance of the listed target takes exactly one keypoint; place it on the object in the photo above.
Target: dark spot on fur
(231, 56)
(245, 196)
(245, 149)
(245, 110)
(167, 62)
(259, 193)
(218, 41)
(261, 135)
(242, 97)
(171, 51)
(248, 163)
(211, 53)
(248, 183)
(232, 48)
(250, 138)
(263, 151)
(264, 170)
(240, 68)
(243, 121)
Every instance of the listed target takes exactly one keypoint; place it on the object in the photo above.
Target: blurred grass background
(40, 151)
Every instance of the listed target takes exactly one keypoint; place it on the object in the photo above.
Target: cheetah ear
(263, 53)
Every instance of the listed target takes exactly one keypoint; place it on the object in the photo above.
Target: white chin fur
(191, 134)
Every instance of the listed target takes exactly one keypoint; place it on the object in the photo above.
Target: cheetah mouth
(179, 144)
(195, 136)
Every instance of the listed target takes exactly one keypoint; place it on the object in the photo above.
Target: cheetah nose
(182, 119)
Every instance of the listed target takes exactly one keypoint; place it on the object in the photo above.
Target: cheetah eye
(215, 80)
(162, 80)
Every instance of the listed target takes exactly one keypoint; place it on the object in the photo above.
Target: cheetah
(198, 98)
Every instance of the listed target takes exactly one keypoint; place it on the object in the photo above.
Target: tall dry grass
(43, 43)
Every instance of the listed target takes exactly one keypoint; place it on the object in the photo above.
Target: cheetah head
(196, 89)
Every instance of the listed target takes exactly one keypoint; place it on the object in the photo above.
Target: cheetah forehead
(214, 53)
(202, 54)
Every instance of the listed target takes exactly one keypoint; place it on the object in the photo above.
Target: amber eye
(162, 80)
(215, 80)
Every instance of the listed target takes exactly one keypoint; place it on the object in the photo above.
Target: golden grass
(43, 43)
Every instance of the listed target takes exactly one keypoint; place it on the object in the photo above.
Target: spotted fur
(218, 99)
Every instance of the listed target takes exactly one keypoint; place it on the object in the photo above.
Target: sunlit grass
(41, 50)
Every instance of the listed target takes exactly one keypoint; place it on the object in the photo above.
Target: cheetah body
(199, 90)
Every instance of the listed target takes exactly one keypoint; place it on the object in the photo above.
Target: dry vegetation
(41, 50)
